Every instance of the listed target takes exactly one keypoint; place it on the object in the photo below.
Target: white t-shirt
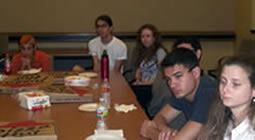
(243, 131)
(116, 49)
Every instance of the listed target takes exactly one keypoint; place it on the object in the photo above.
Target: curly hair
(144, 53)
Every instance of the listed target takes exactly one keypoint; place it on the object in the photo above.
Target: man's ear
(111, 29)
(196, 71)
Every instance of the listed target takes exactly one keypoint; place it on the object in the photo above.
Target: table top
(72, 124)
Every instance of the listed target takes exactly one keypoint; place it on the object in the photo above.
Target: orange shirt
(41, 60)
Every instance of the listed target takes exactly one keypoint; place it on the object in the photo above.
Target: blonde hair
(220, 115)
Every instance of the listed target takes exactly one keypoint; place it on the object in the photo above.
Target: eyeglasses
(101, 26)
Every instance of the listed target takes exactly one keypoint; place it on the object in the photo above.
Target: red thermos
(104, 65)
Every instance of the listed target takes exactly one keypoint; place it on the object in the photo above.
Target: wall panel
(79, 15)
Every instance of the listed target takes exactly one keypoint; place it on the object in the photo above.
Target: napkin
(124, 108)
(2, 77)
(118, 132)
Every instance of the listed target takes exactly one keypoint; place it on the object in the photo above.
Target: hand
(137, 82)
(145, 83)
(96, 68)
(26, 63)
(78, 68)
(167, 134)
(147, 128)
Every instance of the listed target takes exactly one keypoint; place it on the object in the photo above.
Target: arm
(151, 129)
(118, 65)
(15, 64)
(94, 52)
(161, 53)
(146, 82)
(96, 65)
(121, 56)
(46, 64)
(26, 63)
(188, 132)
(137, 76)
(20, 63)
(167, 114)
(196, 120)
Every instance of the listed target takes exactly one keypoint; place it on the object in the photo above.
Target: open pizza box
(28, 130)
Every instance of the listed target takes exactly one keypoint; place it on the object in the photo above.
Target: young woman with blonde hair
(232, 115)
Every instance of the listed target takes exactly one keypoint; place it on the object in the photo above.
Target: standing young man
(192, 96)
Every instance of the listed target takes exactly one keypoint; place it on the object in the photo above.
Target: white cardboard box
(34, 100)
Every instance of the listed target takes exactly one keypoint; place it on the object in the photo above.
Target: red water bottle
(104, 65)
(7, 64)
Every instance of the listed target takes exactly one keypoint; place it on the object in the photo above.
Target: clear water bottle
(104, 65)
(106, 93)
(7, 64)
(102, 112)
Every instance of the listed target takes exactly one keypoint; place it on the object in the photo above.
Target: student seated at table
(160, 91)
(29, 57)
(232, 114)
(148, 53)
(116, 49)
(192, 96)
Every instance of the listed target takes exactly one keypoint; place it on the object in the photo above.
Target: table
(11, 111)
(72, 124)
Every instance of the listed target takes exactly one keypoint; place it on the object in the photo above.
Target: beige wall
(243, 21)
(3, 43)
(168, 15)
(128, 15)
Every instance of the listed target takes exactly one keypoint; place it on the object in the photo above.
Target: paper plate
(76, 81)
(2, 77)
(31, 71)
(90, 107)
(104, 137)
(89, 74)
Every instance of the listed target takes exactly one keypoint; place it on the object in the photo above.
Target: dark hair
(144, 53)
(104, 18)
(181, 56)
(195, 43)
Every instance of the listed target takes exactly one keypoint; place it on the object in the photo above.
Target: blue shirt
(198, 109)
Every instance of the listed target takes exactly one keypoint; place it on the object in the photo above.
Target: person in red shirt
(29, 57)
